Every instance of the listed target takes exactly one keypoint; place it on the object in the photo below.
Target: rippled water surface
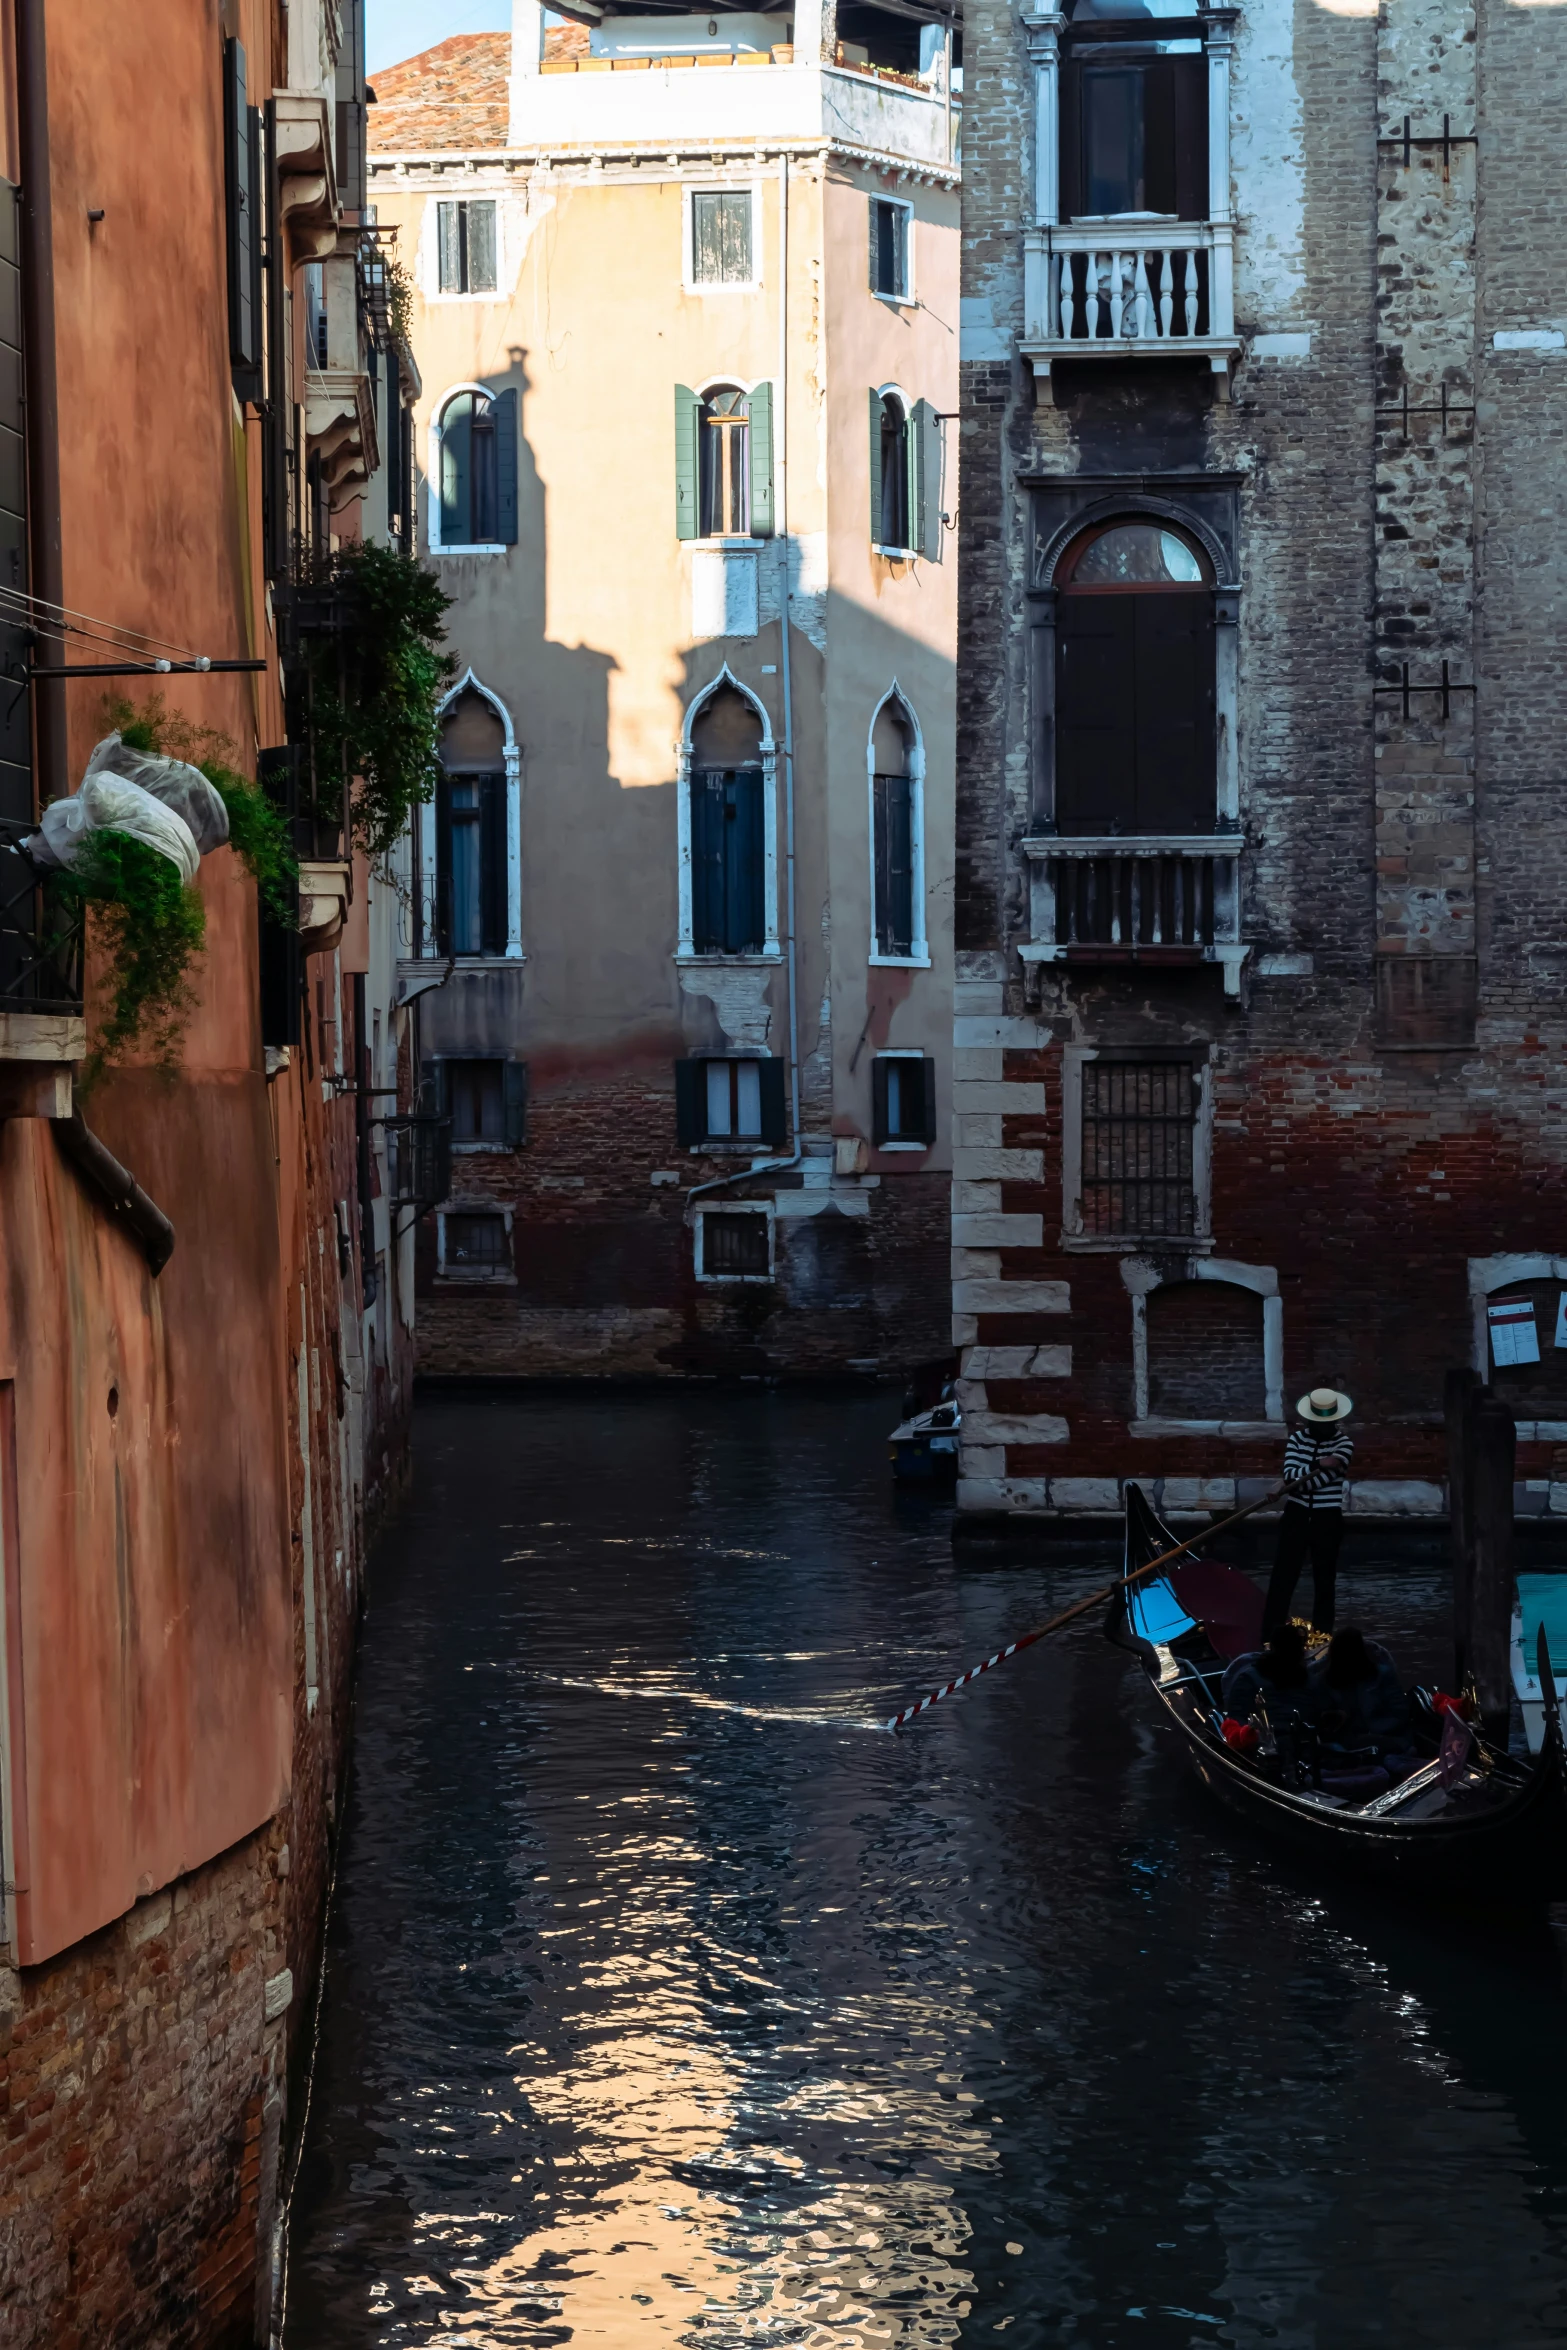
(671, 2001)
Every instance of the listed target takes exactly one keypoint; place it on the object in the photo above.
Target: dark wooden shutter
(1189, 80)
(928, 1101)
(443, 865)
(690, 1103)
(1175, 694)
(1159, 136)
(1096, 732)
(515, 1093)
(281, 965)
(744, 862)
(879, 1132)
(492, 863)
(876, 469)
(274, 468)
(707, 860)
(1071, 161)
(687, 472)
(449, 241)
(893, 802)
(760, 408)
(243, 221)
(351, 153)
(775, 1120)
(481, 248)
(505, 415)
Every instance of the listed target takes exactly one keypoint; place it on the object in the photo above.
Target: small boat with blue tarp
(1456, 1815)
(1541, 1607)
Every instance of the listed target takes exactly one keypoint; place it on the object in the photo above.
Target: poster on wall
(1514, 1338)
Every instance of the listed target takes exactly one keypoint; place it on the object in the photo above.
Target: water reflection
(672, 2001)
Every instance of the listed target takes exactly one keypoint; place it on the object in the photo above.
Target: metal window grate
(1139, 1119)
(476, 1244)
(734, 1243)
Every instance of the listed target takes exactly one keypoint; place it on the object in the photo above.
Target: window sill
(896, 554)
(920, 962)
(920, 1147)
(750, 1147)
(481, 1150)
(690, 958)
(894, 301)
(1186, 1244)
(453, 1280)
(736, 1280)
(727, 546)
(480, 547)
(1239, 1431)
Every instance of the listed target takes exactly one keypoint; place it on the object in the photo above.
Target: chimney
(527, 52)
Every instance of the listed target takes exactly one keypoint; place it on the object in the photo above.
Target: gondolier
(1316, 1459)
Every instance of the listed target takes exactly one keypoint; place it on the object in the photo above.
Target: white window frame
(902, 1052)
(425, 819)
(1073, 1237)
(878, 546)
(434, 544)
(481, 1277)
(1143, 1275)
(745, 1146)
(908, 299)
(430, 245)
(733, 1207)
(918, 956)
(690, 282)
(771, 949)
(734, 543)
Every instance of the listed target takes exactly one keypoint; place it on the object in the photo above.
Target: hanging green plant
(148, 926)
(258, 832)
(375, 683)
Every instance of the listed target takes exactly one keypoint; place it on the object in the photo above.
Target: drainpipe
(41, 412)
(117, 1188)
(781, 530)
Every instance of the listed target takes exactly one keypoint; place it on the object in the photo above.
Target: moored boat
(1481, 1825)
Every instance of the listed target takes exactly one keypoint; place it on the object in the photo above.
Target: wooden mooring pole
(1461, 1392)
(1494, 1456)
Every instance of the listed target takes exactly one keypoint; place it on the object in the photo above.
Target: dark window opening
(904, 1104)
(470, 833)
(476, 1244)
(1135, 685)
(895, 460)
(724, 437)
(893, 815)
(730, 1100)
(721, 238)
(467, 247)
(734, 1243)
(1139, 1128)
(728, 830)
(476, 1093)
(733, 1101)
(889, 248)
(1134, 130)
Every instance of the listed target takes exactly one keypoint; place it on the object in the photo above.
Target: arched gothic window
(896, 833)
(470, 830)
(728, 835)
(1135, 688)
(724, 439)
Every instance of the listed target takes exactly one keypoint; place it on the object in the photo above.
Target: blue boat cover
(1543, 1599)
(1157, 1615)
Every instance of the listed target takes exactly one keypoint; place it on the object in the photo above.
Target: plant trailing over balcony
(147, 925)
(371, 624)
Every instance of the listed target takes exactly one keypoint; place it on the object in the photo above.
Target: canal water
(671, 2001)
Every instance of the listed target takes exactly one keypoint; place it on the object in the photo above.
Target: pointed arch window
(897, 774)
(728, 819)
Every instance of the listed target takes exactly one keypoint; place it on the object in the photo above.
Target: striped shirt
(1315, 1467)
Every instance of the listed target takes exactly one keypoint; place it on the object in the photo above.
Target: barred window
(1139, 1124)
(734, 1245)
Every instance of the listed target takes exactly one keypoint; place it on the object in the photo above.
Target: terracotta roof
(454, 95)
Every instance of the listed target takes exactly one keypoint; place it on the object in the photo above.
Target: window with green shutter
(478, 484)
(721, 237)
(465, 246)
(687, 462)
(761, 407)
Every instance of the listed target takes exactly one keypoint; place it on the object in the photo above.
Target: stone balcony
(1129, 288)
(655, 102)
(1171, 900)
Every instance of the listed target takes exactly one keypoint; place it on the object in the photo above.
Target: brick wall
(1377, 1135)
(603, 1279)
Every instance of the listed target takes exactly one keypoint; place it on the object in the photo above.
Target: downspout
(781, 532)
(41, 409)
(117, 1188)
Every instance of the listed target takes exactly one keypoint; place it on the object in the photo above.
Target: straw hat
(1323, 1406)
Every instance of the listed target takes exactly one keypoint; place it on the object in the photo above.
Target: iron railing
(40, 943)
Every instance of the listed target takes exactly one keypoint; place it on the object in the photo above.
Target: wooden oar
(1080, 1608)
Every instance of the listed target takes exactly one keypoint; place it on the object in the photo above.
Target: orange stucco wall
(149, 1597)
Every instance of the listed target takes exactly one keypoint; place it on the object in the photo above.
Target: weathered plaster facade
(594, 642)
(1376, 1118)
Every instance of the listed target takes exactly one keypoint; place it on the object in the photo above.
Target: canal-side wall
(1376, 1134)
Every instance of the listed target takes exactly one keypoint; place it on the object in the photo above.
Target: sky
(395, 29)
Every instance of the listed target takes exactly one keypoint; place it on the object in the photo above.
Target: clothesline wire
(64, 618)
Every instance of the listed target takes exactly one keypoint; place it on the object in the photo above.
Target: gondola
(1491, 1828)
